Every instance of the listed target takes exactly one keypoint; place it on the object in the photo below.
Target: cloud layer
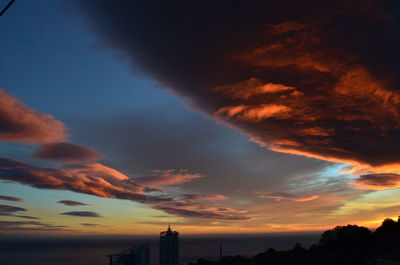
(100, 180)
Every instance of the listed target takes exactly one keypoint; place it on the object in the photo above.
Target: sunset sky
(217, 117)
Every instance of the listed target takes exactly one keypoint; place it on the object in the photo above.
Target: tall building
(137, 256)
(169, 247)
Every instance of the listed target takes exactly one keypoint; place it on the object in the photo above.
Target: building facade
(137, 256)
(169, 247)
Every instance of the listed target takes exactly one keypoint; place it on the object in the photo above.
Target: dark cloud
(11, 209)
(378, 181)
(82, 214)
(10, 198)
(19, 123)
(67, 152)
(71, 203)
(89, 224)
(304, 78)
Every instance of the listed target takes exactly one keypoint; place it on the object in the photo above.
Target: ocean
(93, 251)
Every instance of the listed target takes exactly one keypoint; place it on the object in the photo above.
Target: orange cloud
(19, 123)
(278, 196)
(251, 87)
(254, 113)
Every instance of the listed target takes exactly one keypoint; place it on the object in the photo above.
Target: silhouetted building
(137, 256)
(141, 256)
(387, 262)
(169, 247)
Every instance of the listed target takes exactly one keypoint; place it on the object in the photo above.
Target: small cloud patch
(71, 203)
(82, 214)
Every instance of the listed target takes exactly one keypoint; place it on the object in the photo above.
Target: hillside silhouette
(344, 245)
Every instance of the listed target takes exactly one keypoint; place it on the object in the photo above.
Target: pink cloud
(19, 123)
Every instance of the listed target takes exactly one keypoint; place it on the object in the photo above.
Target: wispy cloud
(204, 197)
(168, 177)
(278, 195)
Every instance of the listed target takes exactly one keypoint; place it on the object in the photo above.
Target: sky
(119, 118)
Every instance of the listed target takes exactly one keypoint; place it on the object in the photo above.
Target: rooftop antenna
(6, 7)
